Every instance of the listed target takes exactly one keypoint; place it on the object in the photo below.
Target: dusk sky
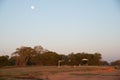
(63, 26)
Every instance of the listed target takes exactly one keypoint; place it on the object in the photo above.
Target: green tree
(37, 59)
(23, 55)
(93, 59)
(12, 61)
(4, 60)
(104, 63)
(115, 63)
(50, 58)
(73, 59)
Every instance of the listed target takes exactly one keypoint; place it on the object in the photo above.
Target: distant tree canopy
(39, 56)
(115, 63)
(93, 59)
(105, 63)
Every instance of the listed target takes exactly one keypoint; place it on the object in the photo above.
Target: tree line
(25, 56)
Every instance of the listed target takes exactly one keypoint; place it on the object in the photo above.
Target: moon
(32, 7)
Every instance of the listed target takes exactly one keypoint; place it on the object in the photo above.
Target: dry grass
(40, 72)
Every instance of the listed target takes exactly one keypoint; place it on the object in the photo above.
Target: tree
(39, 49)
(73, 59)
(23, 55)
(63, 59)
(104, 63)
(92, 59)
(12, 61)
(50, 58)
(4, 60)
(115, 63)
(40, 56)
(37, 60)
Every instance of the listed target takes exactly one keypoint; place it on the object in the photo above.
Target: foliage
(48, 58)
(115, 63)
(12, 61)
(4, 60)
(105, 63)
(39, 56)
(23, 55)
(93, 59)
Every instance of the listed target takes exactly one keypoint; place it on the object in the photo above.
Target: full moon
(32, 7)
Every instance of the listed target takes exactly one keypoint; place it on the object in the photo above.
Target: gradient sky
(63, 26)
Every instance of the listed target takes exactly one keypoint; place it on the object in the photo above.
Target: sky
(63, 26)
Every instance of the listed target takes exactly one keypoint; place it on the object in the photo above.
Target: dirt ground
(85, 76)
(108, 73)
(63, 73)
(89, 75)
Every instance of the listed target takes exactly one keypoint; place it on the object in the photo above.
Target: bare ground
(63, 73)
